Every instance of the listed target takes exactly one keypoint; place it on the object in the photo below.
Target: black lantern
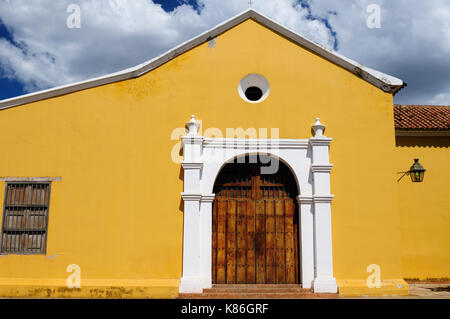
(416, 171)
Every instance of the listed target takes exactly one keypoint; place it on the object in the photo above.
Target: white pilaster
(192, 279)
(307, 240)
(206, 235)
(320, 167)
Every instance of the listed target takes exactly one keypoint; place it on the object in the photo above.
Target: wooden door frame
(308, 160)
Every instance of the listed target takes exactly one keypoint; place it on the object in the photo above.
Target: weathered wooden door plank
(260, 242)
(231, 242)
(270, 242)
(241, 241)
(280, 244)
(251, 256)
(290, 243)
(221, 240)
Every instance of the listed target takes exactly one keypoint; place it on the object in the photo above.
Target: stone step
(256, 291)
(251, 286)
(257, 295)
(253, 290)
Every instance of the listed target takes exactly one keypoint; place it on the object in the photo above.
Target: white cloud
(413, 42)
(35, 71)
(441, 99)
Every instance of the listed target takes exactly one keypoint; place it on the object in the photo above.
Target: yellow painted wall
(117, 211)
(425, 208)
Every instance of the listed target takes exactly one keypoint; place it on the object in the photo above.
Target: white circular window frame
(257, 80)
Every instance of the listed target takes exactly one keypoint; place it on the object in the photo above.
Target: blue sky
(37, 50)
(169, 5)
(8, 87)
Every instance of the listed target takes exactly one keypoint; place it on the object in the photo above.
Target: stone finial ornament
(318, 128)
(193, 126)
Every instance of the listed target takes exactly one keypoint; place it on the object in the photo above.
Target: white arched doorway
(308, 160)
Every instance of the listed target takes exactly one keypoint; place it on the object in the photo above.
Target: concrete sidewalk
(420, 291)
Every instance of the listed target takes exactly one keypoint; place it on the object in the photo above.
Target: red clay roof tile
(422, 117)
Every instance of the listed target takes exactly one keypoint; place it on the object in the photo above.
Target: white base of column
(307, 284)
(207, 283)
(325, 285)
(191, 285)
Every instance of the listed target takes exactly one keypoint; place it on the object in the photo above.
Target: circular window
(253, 93)
(254, 88)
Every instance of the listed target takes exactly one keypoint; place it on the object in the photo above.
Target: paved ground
(422, 291)
(416, 291)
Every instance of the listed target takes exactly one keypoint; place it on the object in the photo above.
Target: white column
(306, 240)
(206, 238)
(192, 279)
(324, 280)
(323, 249)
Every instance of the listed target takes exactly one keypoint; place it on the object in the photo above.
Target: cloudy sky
(39, 51)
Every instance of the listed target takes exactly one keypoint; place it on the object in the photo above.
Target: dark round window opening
(253, 93)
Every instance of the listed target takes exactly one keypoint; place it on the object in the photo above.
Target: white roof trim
(383, 81)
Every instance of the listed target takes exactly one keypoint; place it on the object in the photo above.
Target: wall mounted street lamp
(416, 172)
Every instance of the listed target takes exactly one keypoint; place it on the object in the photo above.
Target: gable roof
(383, 81)
(422, 118)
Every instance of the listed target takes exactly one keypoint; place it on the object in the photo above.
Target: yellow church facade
(108, 184)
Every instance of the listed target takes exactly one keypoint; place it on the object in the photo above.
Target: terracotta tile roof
(422, 117)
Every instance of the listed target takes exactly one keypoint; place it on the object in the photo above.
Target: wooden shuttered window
(25, 218)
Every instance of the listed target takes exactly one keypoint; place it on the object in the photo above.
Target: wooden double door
(255, 227)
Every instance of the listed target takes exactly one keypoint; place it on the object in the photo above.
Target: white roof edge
(383, 81)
